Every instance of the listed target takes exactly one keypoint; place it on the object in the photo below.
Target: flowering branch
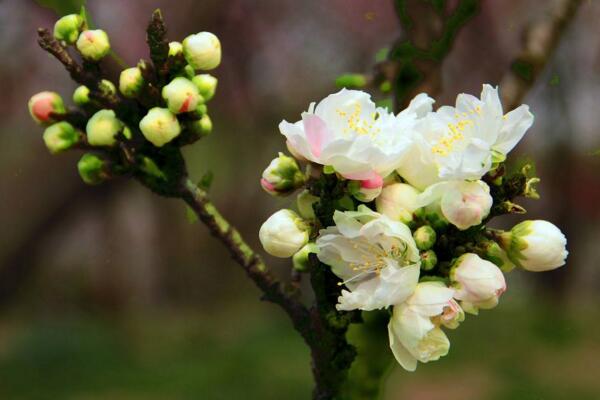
(539, 42)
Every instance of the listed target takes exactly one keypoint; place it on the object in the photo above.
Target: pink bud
(43, 105)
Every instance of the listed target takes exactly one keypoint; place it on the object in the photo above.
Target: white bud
(160, 126)
(130, 82)
(398, 201)
(478, 282)
(175, 48)
(181, 95)
(93, 44)
(103, 128)
(466, 204)
(535, 245)
(202, 51)
(283, 234)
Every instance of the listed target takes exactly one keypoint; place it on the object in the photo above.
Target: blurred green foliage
(63, 7)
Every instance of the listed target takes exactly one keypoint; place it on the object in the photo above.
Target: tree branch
(540, 40)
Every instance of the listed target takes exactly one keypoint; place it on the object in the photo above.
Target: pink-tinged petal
(368, 180)
(316, 133)
(42, 108)
(268, 186)
(186, 104)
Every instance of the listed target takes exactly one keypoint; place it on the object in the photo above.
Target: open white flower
(348, 132)
(461, 142)
(463, 203)
(376, 258)
(414, 331)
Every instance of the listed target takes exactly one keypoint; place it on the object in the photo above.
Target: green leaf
(206, 180)
(63, 7)
(190, 215)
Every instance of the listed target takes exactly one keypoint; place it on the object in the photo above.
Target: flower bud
(351, 81)
(282, 176)
(305, 202)
(81, 95)
(68, 28)
(424, 237)
(92, 169)
(466, 204)
(478, 283)
(283, 234)
(93, 44)
(202, 51)
(300, 260)
(428, 260)
(103, 128)
(206, 84)
(175, 48)
(494, 253)
(535, 245)
(181, 95)
(160, 126)
(130, 82)
(366, 194)
(43, 104)
(201, 127)
(60, 136)
(398, 201)
(107, 87)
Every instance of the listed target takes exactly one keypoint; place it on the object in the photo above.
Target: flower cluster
(129, 128)
(396, 206)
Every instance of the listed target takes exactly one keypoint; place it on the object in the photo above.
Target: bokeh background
(112, 292)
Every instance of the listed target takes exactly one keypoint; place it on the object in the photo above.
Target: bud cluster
(156, 106)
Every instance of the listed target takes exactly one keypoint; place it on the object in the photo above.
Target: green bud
(68, 28)
(495, 254)
(160, 126)
(93, 44)
(428, 260)
(103, 128)
(107, 87)
(424, 237)
(43, 105)
(189, 72)
(130, 82)
(206, 84)
(351, 81)
(201, 110)
(305, 202)
(60, 136)
(92, 169)
(201, 127)
(300, 259)
(81, 95)
(175, 48)
(202, 51)
(282, 176)
(181, 95)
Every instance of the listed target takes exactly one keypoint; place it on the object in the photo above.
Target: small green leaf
(206, 180)
(190, 215)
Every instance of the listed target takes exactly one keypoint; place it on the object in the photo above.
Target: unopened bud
(535, 245)
(68, 28)
(43, 105)
(92, 169)
(300, 260)
(107, 87)
(206, 84)
(81, 95)
(282, 176)
(424, 237)
(175, 48)
(93, 44)
(202, 51)
(201, 127)
(428, 260)
(160, 126)
(366, 190)
(130, 82)
(283, 234)
(60, 136)
(181, 95)
(398, 201)
(103, 128)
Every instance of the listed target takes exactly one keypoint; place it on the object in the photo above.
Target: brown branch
(540, 39)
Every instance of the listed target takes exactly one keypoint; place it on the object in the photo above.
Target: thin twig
(540, 40)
